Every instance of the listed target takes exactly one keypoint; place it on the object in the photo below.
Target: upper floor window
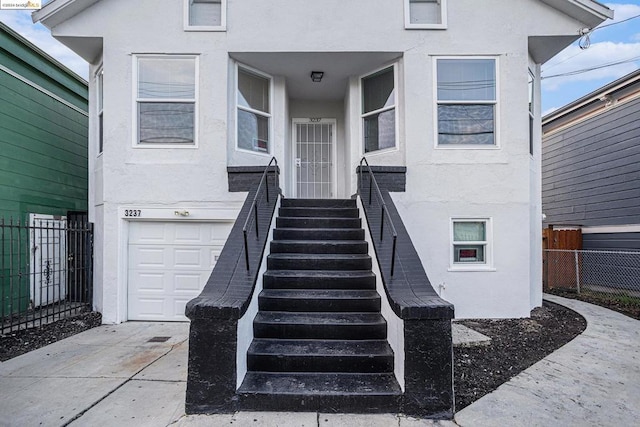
(205, 15)
(466, 101)
(425, 14)
(253, 111)
(100, 103)
(166, 100)
(379, 110)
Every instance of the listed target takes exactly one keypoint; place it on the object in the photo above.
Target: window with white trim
(166, 99)
(466, 101)
(100, 103)
(379, 110)
(531, 115)
(253, 111)
(425, 14)
(470, 242)
(205, 15)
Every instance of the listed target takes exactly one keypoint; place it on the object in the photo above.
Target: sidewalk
(114, 375)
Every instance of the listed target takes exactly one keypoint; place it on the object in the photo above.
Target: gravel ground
(16, 343)
(516, 344)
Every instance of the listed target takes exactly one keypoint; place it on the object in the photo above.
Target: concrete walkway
(134, 374)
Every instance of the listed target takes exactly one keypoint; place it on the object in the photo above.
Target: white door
(48, 239)
(314, 158)
(169, 264)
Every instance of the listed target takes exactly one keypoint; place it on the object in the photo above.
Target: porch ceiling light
(316, 76)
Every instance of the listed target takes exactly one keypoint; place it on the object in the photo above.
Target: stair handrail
(254, 204)
(385, 212)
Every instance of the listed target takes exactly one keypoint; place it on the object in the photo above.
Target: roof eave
(589, 12)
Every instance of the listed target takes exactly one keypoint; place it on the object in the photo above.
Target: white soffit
(57, 11)
(589, 12)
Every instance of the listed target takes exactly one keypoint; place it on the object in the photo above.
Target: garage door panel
(169, 264)
(148, 308)
(189, 283)
(146, 282)
(144, 256)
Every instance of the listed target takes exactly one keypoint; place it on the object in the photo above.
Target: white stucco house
(180, 90)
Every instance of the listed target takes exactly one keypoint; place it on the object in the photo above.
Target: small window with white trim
(425, 14)
(166, 100)
(379, 110)
(466, 102)
(100, 103)
(470, 242)
(205, 15)
(253, 111)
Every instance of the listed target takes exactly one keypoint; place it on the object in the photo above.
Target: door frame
(334, 157)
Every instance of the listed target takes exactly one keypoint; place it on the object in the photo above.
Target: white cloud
(572, 59)
(622, 12)
(20, 21)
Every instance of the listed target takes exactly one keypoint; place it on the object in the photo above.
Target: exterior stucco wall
(496, 183)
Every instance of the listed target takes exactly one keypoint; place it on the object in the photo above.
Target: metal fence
(45, 270)
(608, 272)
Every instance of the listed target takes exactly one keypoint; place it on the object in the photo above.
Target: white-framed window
(100, 104)
(166, 100)
(471, 243)
(379, 110)
(205, 15)
(531, 89)
(253, 112)
(425, 14)
(467, 107)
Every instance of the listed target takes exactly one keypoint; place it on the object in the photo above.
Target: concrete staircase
(320, 342)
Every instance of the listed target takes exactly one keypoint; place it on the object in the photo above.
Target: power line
(615, 23)
(597, 67)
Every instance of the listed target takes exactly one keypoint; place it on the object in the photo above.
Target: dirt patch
(515, 345)
(16, 343)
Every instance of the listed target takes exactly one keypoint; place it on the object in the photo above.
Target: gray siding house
(591, 166)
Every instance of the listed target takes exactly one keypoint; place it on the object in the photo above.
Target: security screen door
(314, 158)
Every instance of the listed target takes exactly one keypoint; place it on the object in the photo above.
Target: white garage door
(169, 264)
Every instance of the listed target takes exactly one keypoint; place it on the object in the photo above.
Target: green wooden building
(43, 165)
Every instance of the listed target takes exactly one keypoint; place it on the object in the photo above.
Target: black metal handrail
(254, 204)
(383, 205)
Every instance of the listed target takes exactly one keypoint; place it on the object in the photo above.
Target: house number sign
(130, 213)
(315, 119)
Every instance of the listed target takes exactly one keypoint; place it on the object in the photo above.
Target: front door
(314, 154)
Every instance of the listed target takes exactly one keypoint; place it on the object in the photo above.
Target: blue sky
(617, 43)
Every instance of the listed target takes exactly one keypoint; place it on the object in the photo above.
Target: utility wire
(597, 67)
(615, 23)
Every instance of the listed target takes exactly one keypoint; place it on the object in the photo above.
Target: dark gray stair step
(320, 246)
(315, 392)
(315, 212)
(337, 326)
(302, 222)
(319, 262)
(318, 203)
(292, 233)
(312, 279)
(313, 300)
(269, 355)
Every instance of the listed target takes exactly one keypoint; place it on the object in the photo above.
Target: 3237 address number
(132, 212)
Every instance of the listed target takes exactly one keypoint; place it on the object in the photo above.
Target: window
(379, 110)
(425, 14)
(100, 91)
(470, 242)
(531, 115)
(166, 100)
(466, 97)
(254, 111)
(205, 15)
